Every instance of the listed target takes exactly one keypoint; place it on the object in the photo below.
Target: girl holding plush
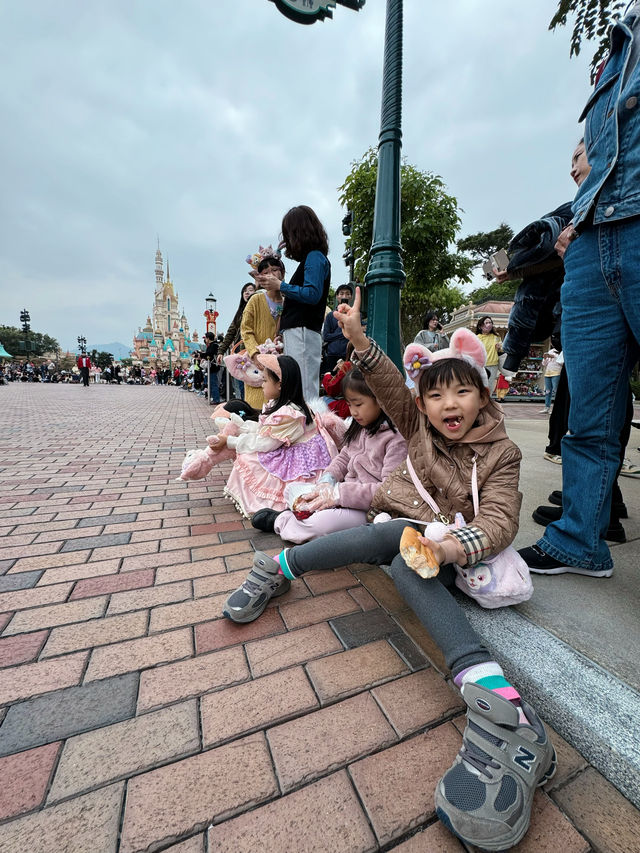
(371, 450)
(452, 427)
(286, 445)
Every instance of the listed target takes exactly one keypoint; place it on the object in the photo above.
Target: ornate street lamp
(211, 314)
(82, 343)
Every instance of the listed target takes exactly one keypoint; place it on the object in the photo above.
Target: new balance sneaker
(553, 457)
(262, 584)
(542, 563)
(485, 797)
(629, 469)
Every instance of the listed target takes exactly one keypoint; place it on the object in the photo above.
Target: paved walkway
(134, 718)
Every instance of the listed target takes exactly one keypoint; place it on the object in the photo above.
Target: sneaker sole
(573, 570)
(517, 833)
(251, 617)
(555, 461)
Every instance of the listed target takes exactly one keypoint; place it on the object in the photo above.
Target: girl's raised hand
(348, 317)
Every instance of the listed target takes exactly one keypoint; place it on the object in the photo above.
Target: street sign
(310, 11)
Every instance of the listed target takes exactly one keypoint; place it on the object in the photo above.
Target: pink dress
(282, 449)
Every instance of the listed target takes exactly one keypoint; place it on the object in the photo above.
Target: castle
(165, 340)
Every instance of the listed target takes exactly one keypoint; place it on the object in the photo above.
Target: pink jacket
(365, 463)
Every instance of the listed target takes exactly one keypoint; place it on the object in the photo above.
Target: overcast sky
(204, 121)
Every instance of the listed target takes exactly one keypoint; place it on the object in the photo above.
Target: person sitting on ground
(371, 450)
(451, 426)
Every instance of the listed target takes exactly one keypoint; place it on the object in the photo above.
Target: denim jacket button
(609, 210)
(631, 102)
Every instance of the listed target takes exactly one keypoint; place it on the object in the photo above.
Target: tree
(12, 338)
(101, 359)
(429, 223)
(485, 243)
(496, 291)
(593, 19)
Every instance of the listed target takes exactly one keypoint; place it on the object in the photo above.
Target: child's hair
(446, 371)
(271, 261)
(480, 322)
(354, 381)
(303, 232)
(290, 387)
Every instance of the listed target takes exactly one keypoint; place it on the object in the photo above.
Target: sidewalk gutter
(593, 710)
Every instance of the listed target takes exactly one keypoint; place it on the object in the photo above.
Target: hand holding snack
(422, 555)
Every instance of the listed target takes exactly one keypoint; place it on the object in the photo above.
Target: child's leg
(292, 529)
(485, 797)
(371, 543)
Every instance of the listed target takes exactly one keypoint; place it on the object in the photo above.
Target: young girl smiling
(455, 433)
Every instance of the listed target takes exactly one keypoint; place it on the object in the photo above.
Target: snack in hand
(417, 555)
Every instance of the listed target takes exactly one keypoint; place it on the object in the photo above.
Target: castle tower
(159, 270)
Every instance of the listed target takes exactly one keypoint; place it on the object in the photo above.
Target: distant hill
(117, 350)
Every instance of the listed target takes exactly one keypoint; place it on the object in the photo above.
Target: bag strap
(424, 494)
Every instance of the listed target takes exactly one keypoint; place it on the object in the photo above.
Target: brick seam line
(123, 806)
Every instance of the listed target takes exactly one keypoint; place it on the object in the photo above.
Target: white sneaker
(629, 469)
(544, 411)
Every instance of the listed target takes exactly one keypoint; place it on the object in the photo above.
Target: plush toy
(241, 367)
(464, 344)
(198, 463)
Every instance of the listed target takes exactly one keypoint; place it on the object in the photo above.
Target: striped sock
(281, 558)
(491, 676)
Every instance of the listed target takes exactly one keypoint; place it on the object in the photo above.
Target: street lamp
(25, 319)
(210, 313)
(82, 343)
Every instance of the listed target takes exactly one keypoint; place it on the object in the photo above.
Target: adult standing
(304, 240)
(210, 355)
(552, 370)
(601, 290)
(334, 342)
(493, 346)
(233, 336)
(431, 335)
(84, 365)
(261, 317)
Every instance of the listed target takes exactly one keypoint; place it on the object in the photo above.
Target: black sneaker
(546, 514)
(264, 519)
(618, 509)
(542, 563)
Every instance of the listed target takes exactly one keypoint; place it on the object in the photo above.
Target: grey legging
(430, 599)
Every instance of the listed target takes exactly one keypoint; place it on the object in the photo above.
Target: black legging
(559, 424)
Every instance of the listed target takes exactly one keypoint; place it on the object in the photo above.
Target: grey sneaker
(262, 583)
(485, 797)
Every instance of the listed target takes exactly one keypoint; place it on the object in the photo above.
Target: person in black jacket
(211, 355)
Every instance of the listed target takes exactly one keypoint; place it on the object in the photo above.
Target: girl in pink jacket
(372, 449)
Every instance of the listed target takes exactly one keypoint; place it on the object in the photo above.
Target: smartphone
(500, 260)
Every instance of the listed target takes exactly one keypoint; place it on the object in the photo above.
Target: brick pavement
(134, 718)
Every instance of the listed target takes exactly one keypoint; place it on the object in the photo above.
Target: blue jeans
(550, 385)
(600, 334)
(214, 391)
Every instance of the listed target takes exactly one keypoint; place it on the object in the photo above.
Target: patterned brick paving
(133, 718)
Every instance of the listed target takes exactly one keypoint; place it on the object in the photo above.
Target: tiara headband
(263, 254)
(464, 345)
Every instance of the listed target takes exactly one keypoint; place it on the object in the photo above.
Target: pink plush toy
(464, 344)
(198, 463)
(241, 367)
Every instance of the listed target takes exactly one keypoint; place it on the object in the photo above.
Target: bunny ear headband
(262, 254)
(464, 344)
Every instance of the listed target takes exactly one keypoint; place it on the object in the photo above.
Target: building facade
(165, 340)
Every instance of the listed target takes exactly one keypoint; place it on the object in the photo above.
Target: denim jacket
(612, 137)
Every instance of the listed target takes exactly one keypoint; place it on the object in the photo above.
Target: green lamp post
(385, 277)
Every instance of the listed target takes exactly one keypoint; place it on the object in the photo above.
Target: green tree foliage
(495, 291)
(485, 243)
(11, 339)
(593, 20)
(430, 220)
(101, 359)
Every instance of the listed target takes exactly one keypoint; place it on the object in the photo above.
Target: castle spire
(168, 276)
(159, 268)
